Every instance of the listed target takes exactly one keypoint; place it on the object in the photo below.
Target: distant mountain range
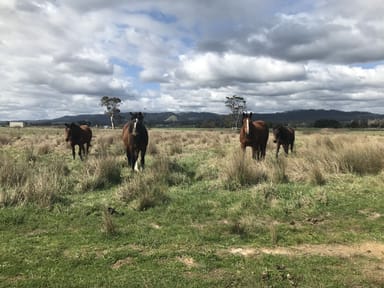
(205, 119)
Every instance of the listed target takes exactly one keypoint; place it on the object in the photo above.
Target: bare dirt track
(372, 264)
(367, 249)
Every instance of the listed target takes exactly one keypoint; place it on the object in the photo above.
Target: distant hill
(312, 115)
(206, 119)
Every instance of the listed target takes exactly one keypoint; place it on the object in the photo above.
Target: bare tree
(237, 105)
(111, 105)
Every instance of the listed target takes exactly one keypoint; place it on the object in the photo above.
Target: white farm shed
(16, 124)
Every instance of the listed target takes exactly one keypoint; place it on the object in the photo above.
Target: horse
(135, 139)
(254, 134)
(284, 136)
(78, 135)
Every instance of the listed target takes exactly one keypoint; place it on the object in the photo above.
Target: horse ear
(66, 125)
(250, 114)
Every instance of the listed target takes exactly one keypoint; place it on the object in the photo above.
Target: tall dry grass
(38, 168)
(316, 158)
(24, 179)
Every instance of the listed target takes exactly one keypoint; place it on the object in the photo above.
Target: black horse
(135, 138)
(78, 135)
(284, 136)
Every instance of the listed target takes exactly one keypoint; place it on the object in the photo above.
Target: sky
(59, 57)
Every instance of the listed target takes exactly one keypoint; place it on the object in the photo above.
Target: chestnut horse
(254, 134)
(78, 135)
(283, 136)
(135, 138)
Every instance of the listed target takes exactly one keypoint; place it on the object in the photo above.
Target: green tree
(237, 105)
(111, 105)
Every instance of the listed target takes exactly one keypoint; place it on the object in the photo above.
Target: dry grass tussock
(316, 158)
(24, 179)
(38, 164)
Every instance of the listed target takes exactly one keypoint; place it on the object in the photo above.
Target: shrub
(175, 148)
(278, 170)
(40, 183)
(147, 189)
(100, 173)
(316, 176)
(243, 171)
(152, 148)
(362, 159)
(108, 227)
(5, 140)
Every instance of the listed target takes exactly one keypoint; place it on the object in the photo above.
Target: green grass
(179, 223)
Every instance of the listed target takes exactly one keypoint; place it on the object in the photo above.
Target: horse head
(68, 132)
(247, 120)
(136, 120)
(71, 131)
(276, 133)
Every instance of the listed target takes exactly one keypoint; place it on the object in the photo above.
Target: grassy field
(200, 215)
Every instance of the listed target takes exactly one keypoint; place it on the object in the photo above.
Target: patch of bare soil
(187, 261)
(119, 263)
(373, 270)
(368, 249)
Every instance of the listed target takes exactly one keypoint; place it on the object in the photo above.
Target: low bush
(241, 171)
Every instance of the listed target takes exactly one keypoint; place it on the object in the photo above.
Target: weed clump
(23, 182)
(362, 159)
(146, 190)
(100, 173)
(243, 171)
(108, 226)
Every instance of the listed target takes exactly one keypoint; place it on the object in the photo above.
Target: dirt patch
(187, 261)
(368, 249)
(119, 263)
(372, 215)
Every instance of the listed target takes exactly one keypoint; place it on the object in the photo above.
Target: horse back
(87, 133)
(261, 130)
(288, 135)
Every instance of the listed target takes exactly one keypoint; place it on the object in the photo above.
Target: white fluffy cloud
(60, 57)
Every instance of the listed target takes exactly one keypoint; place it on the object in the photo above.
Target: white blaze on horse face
(247, 126)
(134, 126)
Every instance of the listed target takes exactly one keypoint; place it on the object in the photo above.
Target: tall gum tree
(112, 109)
(237, 105)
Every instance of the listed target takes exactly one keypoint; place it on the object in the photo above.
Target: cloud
(60, 57)
(226, 69)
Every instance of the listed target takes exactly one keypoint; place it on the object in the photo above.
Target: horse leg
(87, 149)
(135, 164)
(277, 149)
(73, 151)
(292, 147)
(129, 157)
(255, 153)
(263, 149)
(142, 161)
(81, 151)
(285, 146)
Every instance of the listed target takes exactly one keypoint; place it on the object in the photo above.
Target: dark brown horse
(78, 135)
(254, 134)
(135, 138)
(284, 136)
